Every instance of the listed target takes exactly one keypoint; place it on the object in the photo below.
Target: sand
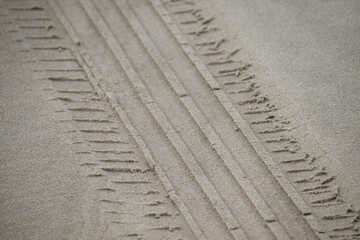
(179, 119)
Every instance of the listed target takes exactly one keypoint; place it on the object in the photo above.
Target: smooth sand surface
(41, 190)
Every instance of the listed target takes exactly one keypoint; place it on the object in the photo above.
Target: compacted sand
(179, 119)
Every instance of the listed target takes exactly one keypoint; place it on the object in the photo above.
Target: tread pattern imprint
(131, 200)
(158, 165)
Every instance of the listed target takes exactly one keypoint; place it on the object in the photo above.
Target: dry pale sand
(179, 119)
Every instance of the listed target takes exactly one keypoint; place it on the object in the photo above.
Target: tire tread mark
(239, 121)
(163, 122)
(100, 87)
(204, 125)
(64, 22)
(93, 78)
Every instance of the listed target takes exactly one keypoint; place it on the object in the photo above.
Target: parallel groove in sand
(166, 126)
(261, 113)
(109, 193)
(206, 128)
(100, 87)
(147, 154)
(239, 121)
(236, 232)
(209, 91)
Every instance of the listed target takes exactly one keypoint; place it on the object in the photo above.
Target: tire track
(147, 100)
(172, 193)
(147, 154)
(189, 192)
(252, 112)
(127, 53)
(214, 48)
(119, 171)
(116, 177)
(245, 129)
(224, 154)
